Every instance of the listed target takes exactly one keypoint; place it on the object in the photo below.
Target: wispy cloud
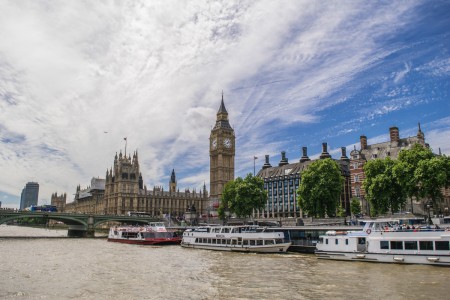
(154, 72)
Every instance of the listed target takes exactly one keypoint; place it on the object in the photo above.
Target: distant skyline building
(30, 194)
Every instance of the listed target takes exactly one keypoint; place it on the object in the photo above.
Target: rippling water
(50, 268)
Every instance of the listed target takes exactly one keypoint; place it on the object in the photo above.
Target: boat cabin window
(252, 242)
(346, 241)
(410, 245)
(336, 241)
(442, 245)
(225, 230)
(396, 245)
(269, 242)
(361, 241)
(426, 245)
(326, 241)
(384, 245)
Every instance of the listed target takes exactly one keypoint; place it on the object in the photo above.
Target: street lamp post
(429, 215)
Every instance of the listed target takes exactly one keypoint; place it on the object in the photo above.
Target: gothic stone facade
(222, 152)
(123, 191)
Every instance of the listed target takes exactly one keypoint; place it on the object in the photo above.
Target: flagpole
(126, 141)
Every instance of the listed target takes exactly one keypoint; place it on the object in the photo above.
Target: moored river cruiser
(387, 241)
(235, 238)
(153, 234)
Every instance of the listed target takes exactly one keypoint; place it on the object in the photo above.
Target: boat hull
(278, 248)
(424, 259)
(164, 241)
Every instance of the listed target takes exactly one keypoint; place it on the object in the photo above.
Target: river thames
(66, 268)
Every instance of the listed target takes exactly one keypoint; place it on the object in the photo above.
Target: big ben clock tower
(221, 153)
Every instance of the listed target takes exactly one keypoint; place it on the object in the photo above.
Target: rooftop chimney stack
(304, 155)
(267, 163)
(344, 154)
(394, 135)
(363, 142)
(283, 160)
(325, 153)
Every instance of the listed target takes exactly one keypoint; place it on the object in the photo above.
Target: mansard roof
(295, 168)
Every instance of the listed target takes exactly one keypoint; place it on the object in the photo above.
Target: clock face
(214, 144)
(227, 143)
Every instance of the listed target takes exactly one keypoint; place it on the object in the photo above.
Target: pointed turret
(222, 117)
(173, 182)
(420, 136)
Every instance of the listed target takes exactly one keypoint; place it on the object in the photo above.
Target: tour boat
(388, 241)
(153, 234)
(235, 238)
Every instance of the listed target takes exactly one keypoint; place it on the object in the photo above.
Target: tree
(383, 190)
(408, 161)
(355, 206)
(320, 188)
(242, 196)
(431, 175)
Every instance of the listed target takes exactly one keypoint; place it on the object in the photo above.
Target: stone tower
(122, 185)
(221, 152)
(173, 182)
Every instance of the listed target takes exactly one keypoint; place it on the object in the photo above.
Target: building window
(357, 192)
(356, 178)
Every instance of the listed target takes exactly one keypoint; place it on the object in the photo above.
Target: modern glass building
(30, 194)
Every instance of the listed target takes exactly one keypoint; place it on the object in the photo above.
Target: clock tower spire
(221, 153)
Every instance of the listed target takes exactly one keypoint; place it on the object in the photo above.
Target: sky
(76, 77)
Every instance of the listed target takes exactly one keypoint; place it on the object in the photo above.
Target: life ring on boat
(368, 231)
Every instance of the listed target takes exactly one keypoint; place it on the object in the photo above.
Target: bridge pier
(90, 230)
(77, 231)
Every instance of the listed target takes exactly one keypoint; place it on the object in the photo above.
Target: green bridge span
(80, 225)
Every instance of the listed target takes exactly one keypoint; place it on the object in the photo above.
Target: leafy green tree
(242, 196)
(383, 191)
(355, 206)
(407, 164)
(320, 188)
(431, 175)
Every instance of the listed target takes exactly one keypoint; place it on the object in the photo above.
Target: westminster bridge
(79, 225)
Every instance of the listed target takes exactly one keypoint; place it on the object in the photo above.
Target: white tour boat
(388, 241)
(235, 238)
(153, 234)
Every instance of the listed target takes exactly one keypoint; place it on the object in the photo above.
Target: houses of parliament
(123, 190)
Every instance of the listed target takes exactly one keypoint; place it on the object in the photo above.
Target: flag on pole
(254, 157)
(124, 138)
